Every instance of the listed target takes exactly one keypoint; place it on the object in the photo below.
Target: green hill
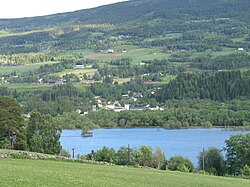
(26, 172)
(174, 24)
(141, 10)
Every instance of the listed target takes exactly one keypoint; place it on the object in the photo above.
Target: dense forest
(216, 86)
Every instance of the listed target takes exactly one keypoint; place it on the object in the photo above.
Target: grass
(31, 87)
(168, 78)
(122, 80)
(167, 37)
(78, 72)
(27, 172)
(135, 53)
(21, 87)
(7, 70)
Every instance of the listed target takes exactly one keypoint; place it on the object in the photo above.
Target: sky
(30, 8)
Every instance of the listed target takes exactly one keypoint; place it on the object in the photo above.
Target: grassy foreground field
(27, 172)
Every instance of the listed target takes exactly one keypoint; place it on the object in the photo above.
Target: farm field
(77, 72)
(26, 172)
(135, 53)
(6, 70)
(27, 87)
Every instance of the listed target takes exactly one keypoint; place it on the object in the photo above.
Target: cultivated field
(6, 70)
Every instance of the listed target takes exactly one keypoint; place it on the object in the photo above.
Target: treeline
(55, 101)
(59, 99)
(20, 43)
(21, 59)
(121, 62)
(115, 91)
(151, 67)
(216, 86)
(211, 161)
(231, 62)
(144, 156)
(38, 134)
(177, 114)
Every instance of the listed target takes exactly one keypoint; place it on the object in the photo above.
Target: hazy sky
(29, 8)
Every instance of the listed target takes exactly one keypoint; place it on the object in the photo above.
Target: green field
(6, 70)
(77, 72)
(135, 53)
(26, 172)
(27, 87)
(167, 79)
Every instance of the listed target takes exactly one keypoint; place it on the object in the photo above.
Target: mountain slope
(140, 10)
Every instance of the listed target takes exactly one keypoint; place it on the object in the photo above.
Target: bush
(179, 163)
(65, 153)
(245, 171)
(105, 155)
(5, 144)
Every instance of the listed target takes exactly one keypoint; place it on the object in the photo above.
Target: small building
(111, 50)
(125, 96)
(94, 108)
(79, 67)
(139, 108)
(56, 82)
(40, 81)
(78, 111)
(89, 66)
(240, 49)
(148, 82)
(119, 108)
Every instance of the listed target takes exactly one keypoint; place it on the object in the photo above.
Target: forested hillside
(142, 10)
(156, 54)
(216, 86)
(197, 24)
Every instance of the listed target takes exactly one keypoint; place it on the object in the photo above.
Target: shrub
(179, 163)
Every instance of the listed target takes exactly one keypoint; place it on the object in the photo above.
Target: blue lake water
(185, 142)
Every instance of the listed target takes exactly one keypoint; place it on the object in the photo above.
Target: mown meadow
(28, 172)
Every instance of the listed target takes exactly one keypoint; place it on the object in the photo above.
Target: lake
(185, 142)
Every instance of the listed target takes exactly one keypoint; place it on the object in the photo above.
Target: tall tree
(159, 158)
(238, 153)
(43, 134)
(146, 155)
(212, 160)
(12, 126)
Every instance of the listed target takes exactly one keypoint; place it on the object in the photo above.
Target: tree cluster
(219, 86)
(40, 134)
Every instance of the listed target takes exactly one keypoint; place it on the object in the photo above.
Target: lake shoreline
(185, 142)
(237, 128)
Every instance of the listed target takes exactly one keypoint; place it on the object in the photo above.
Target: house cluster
(176, 50)
(54, 82)
(83, 66)
(111, 51)
(240, 49)
(117, 107)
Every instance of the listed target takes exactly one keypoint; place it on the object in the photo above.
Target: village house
(79, 67)
(53, 82)
(139, 108)
(111, 50)
(240, 49)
